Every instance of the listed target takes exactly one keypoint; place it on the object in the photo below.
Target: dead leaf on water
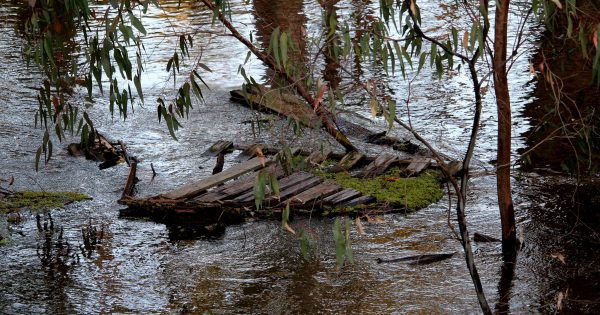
(466, 41)
(379, 220)
(359, 226)
(559, 301)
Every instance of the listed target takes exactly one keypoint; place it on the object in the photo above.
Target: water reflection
(288, 16)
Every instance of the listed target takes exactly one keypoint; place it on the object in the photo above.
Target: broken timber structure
(241, 192)
(230, 196)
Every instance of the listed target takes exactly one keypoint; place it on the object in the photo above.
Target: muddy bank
(565, 137)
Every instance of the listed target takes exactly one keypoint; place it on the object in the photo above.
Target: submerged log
(381, 138)
(124, 152)
(275, 101)
(418, 259)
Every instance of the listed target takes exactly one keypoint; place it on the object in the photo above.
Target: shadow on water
(139, 266)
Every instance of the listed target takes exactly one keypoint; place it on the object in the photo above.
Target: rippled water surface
(256, 267)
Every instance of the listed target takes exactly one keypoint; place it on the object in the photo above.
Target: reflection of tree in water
(288, 16)
(58, 261)
(331, 70)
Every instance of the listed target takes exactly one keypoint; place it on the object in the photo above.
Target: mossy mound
(39, 200)
(411, 193)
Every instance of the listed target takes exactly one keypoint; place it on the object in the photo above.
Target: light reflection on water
(253, 267)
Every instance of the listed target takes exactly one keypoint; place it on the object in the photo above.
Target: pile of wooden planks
(230, 194)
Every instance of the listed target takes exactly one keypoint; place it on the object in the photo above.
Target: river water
(256, 267)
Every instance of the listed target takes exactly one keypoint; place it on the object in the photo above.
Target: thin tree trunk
(300, 88)
(505, 203)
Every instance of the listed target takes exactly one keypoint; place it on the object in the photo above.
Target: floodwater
(256, 267)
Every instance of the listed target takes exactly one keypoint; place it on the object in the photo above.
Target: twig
(153, 171)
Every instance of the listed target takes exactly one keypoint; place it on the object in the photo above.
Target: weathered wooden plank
(416, 166)
(194, 189)
(347, 162)
(357, 201)
(233, 189)
(249, 152)
(322, 190)
(130, 183)
(218, 193)
(228, 190)
(297, 188)
(317, 157)
(342, 196)
(380, 165)
(248, 184)
(221, 146)
(283, 184)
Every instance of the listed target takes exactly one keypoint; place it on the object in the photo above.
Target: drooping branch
(301, 89)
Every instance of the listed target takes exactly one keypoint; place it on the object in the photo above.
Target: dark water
(256, 267)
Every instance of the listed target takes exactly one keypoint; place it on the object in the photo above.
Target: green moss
(2, 242)
(413, 193)
(36, 200)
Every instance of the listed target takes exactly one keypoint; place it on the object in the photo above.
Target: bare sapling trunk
(505, 203)
(300, 88)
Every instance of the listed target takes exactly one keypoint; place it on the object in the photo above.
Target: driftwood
(131, 179)
(100, 150)
(277, 102)
(219, 147)
(251, 151)
(318, 157)
(380, 165)
(478, 237)
(219, 165)
(417, 166)
(125, 154)
(418, 259)
(381, 138)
